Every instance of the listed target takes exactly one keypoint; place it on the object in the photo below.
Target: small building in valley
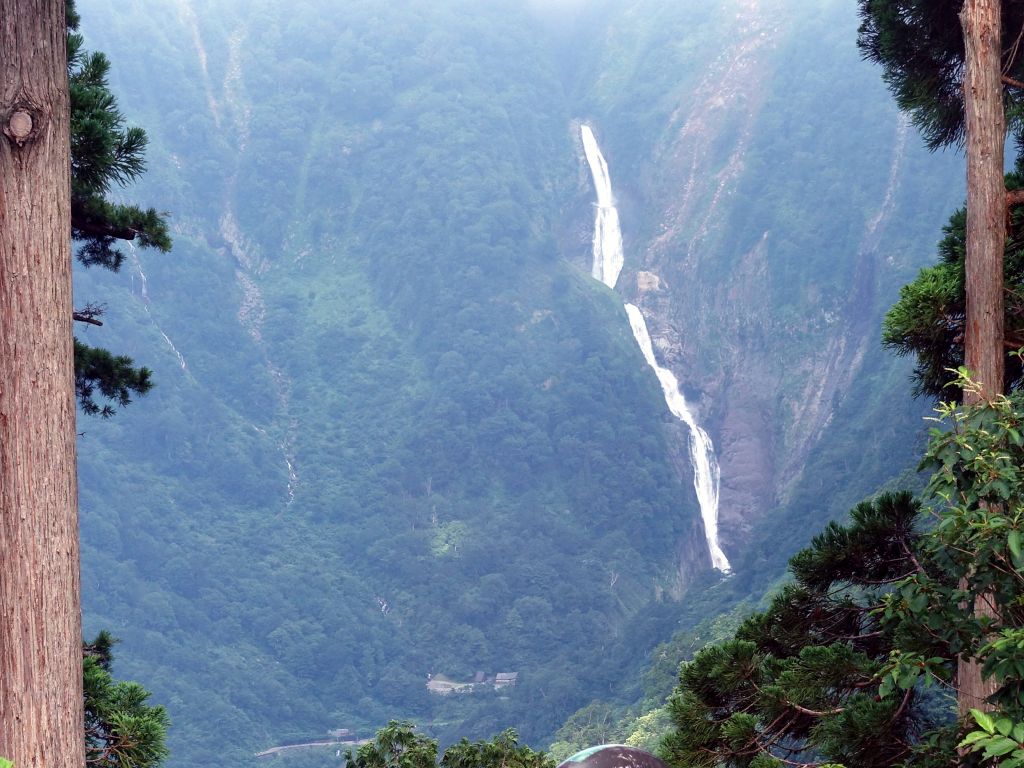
(505, 680)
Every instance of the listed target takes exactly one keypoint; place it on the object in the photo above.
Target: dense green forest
(397, 429)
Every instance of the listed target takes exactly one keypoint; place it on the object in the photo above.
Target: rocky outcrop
(690, 191)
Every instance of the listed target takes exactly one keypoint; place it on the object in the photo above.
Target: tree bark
(986, 193)
(41, 719)
(986, 233)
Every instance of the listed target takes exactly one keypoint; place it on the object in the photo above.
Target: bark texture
(41, 720)
(986, 233)
(986, 193)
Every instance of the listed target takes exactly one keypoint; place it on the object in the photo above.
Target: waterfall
(608, 256)
(702, 451)
(144, 290)
(608, 261)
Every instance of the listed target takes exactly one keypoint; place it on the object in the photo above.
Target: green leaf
(908, 678)
(1000, 746)
(972, 737)
(884, 690)
(1013, 542)
(1004, 726)
(983, 720)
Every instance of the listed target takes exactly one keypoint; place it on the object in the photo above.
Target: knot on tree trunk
(21, 125)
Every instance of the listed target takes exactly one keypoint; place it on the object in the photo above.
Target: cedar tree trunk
(41, 720)
(986, 233)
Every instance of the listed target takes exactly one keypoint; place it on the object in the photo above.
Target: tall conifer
(924, 75)
(41, 706)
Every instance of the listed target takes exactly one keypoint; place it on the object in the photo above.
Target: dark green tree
(503, 751)
(105, 154)
(928, 319)
(855, 662)
(399, 745)
(799, 681)
(121, 729)
(973, 554)
(987, 85)
(920, 45)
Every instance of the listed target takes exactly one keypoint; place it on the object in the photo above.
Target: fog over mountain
(400, 433)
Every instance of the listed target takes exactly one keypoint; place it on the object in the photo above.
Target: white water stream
(144, 285)
(608, 261)
(608, 256)
(702, 451)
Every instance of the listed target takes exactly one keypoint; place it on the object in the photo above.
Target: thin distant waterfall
(608, 261)
(705, 465)
(608, 256)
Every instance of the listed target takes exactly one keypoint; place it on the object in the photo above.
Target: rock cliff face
(767, 229)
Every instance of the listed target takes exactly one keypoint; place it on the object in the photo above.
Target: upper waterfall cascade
(608, 261)
(608, 255)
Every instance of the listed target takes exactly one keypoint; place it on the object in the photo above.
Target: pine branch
(103, 229)
(89, 314)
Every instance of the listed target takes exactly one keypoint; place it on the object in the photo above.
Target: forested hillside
(397, 429)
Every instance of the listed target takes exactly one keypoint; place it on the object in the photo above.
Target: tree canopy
(928, 319)
(855, 660)
(920, 45)
(105, 153)
(122, 730)
(399, 745)
(801, 677)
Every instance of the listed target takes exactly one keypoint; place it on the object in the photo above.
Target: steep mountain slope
(398, 429)
(394, 434)
(775, 201)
